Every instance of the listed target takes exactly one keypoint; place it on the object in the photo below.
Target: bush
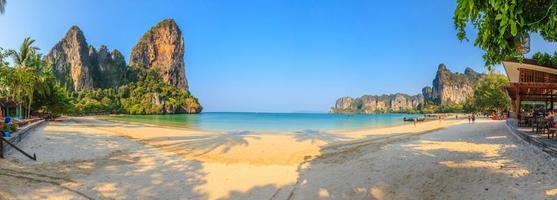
(147, 94)
(9, 127)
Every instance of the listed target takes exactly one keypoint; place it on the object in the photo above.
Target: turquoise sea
(269, 122)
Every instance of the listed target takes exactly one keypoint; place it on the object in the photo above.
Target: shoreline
(355, 129)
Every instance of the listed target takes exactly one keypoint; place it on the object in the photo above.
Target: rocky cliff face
(369, 104)
(162, 48)
(427, 92)
(448, 88)
(452, 88)
(79, 65)
(109, 68)
(71, 60)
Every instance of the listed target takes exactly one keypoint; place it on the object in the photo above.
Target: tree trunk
(29, 111)
(29, 107)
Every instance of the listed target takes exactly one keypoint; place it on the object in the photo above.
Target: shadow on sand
(317, 135)
(205, 143)
(482, 159)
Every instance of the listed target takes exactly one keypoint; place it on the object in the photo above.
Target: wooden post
(517, 104)
(1, 148)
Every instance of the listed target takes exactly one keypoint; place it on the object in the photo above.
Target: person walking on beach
(415, 121)
(473, 118)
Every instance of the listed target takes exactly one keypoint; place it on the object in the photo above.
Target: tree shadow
(475, 163)
(205, 143)
(128, 170)
(317, 135)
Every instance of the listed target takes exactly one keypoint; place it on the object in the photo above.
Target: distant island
(450, 92)
(154, 81)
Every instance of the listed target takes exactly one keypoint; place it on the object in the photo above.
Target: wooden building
(8, 107)
(532, 82)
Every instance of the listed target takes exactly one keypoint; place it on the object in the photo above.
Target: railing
(18, 136)
(529, 76)
(2, 140)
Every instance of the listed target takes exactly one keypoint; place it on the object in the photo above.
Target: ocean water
(269, 122)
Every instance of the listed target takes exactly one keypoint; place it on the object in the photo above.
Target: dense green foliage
(31, 84)
(546, 59)
(489, 94)
(430, 108)
(502, 25)
(145, 93)
(9, 127)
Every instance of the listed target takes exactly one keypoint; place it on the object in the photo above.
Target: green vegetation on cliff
(451, 92)
(145, 93)
(29, 86)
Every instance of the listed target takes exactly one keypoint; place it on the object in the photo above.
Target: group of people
(552, 116)
(472, 118)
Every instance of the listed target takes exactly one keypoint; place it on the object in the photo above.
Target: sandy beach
(86, 158)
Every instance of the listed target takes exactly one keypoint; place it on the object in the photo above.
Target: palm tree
(2, 6)
(37, 75)
(29, 73)
(25, 53)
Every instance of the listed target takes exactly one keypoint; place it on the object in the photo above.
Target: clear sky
(271, 56)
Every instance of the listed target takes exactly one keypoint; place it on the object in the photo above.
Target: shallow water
(270, 122)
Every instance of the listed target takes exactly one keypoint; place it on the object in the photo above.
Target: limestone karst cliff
(369, 104)
(72, 64)
(79, 66)
(452, 88)
(162, 48)
(109, 67)
(157, 61)
(447, 88)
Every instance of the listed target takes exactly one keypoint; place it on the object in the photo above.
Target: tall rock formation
(109, 68)
(448, 88)
(452, 88)
(427, 92)
(70, 56)
(79, 66)
(369, 104)
(162, 48)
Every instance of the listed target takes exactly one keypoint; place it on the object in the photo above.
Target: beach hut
(8, 107)
(530, 82)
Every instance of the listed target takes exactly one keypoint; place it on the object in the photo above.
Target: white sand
(86, 158)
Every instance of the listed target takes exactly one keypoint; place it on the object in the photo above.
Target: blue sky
(271, 56)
